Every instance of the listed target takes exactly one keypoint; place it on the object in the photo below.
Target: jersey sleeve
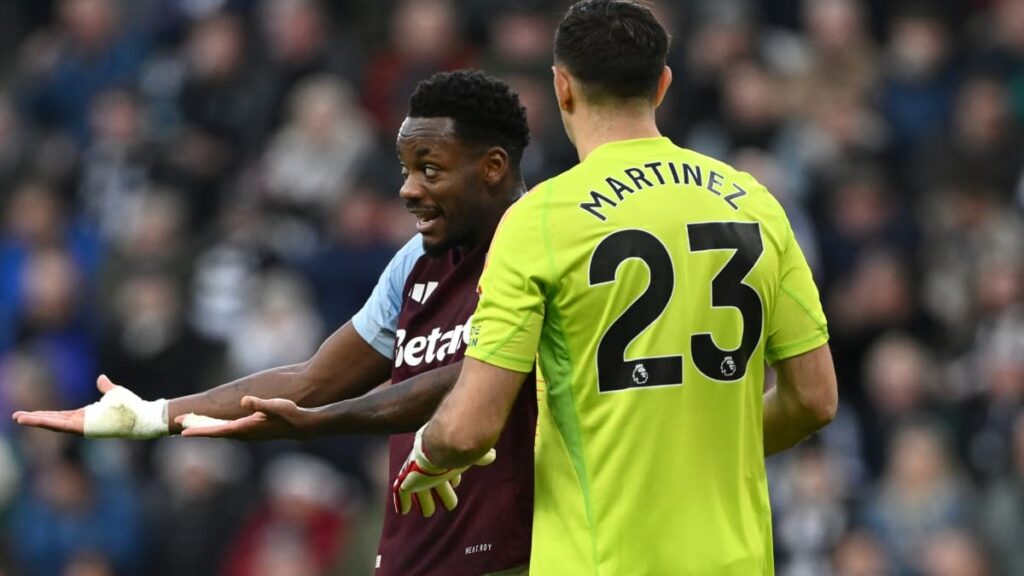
(506, 326)
(377, 321)
(797, 323)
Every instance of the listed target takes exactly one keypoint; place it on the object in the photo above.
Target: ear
(495, 165)
(563, 89)
(664, 81)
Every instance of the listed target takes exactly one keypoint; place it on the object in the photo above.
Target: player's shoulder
(405, 259)
(750, 183)
(410, 251)
(756, 193)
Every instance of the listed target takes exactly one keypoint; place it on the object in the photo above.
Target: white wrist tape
(122, 414)
(193, 420)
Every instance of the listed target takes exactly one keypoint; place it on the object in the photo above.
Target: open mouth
(425, 218)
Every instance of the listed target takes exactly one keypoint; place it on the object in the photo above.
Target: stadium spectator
(64, 70)
(36, 219)
(55, 323)
(900, 385)
(223, 116)
(989, 415)
(840, 55)
(920, 75)
(147, 339)
(954, 553)
(16, 145)
(279, 329)
(200, 498)
(312, 162)
(860, 554)
(341, 271)
(811, 518)
(423, 36)
(981, 144)
(919, 496)
(299, 45)
(119, 164)
(1003, 510)
(301, 526)
(67, 513)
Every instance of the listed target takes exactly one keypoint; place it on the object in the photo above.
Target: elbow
(823, 409)
(456, 447)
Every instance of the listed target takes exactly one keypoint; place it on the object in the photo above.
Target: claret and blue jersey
(418, 315)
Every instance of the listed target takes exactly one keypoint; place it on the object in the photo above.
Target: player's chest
(439, 297)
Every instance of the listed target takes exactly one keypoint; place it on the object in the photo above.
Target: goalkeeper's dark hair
(485, 110)
(616, 48)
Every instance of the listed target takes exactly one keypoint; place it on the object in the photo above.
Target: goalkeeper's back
(653, 284)
(669, 279)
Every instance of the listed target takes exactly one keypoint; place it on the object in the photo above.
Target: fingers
(54, 421)
(426, 503)
(252, 403)
(456, 480)
(232, 429)
(403, 501)
(104, 384)
(447, 494)
(487, 459)
(273, 405)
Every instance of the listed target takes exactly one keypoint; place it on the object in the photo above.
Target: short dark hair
(486, 111)
(616, 48)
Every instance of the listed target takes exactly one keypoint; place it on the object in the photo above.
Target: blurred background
(193, 190)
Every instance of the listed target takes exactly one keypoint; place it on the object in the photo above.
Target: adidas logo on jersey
(431, 348)
(420, 292)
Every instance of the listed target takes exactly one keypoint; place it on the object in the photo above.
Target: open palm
(69, 421)
(272, 419)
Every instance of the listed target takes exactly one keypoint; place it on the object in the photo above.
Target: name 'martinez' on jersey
(664, 172)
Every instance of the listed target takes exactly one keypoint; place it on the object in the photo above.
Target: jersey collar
(619, 147)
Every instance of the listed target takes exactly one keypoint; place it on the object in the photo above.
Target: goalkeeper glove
(420, 477)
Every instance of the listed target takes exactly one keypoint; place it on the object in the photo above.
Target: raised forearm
(345, 366)
(399, 408)
(785, 424)
(291, 382)
(803, 401)
(469, 421)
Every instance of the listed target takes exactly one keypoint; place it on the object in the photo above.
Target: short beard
(446, 245)
(437, 251)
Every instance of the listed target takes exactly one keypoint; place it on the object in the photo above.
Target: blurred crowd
(194, 190)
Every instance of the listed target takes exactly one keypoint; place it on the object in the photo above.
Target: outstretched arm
(398, 408)
(345, 366)
(803, 400)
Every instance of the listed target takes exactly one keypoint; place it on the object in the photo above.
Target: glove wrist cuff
(422, 458)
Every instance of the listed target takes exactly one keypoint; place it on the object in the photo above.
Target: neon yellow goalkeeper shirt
(652, 283)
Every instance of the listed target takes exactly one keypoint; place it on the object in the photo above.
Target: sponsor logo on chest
(433, 347)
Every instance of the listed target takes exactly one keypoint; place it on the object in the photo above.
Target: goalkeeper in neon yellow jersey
(654, 284)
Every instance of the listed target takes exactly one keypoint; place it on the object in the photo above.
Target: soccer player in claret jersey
(655, 283)
(459, 149)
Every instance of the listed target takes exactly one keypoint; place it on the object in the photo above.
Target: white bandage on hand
(193, 420)
(122, 414)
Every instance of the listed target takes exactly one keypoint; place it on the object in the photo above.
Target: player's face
(444, 184)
